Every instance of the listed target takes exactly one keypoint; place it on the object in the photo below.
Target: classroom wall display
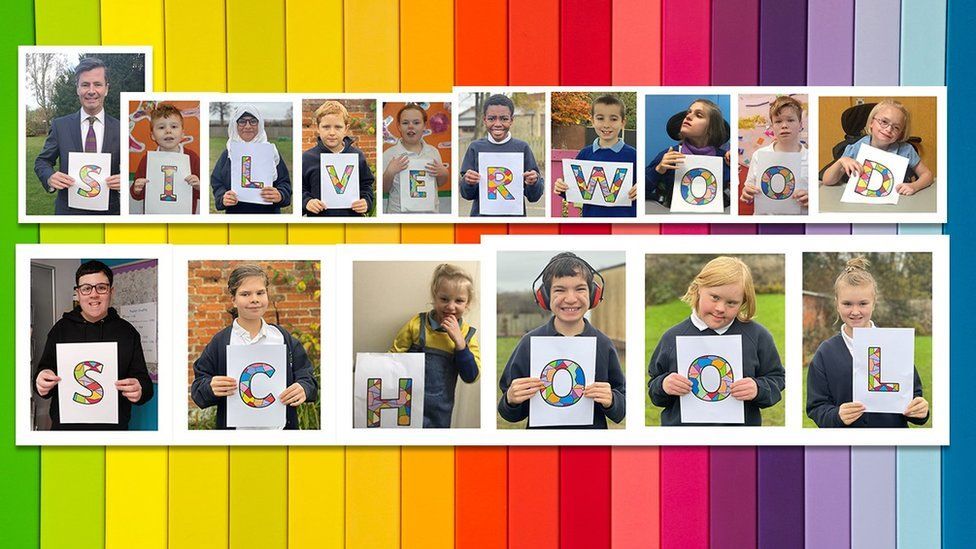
(565, 366)
(884, 368)
(598, 183)
(501, 190)
(389, 390)
(86, 392)
(712, 364)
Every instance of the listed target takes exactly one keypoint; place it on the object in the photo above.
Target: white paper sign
(418, 187)
(389, 390)
(884, 368)
(712, 364)
(142, 316)
(261, 374)
(502, 189)
(698, 185)
(89, 170)
(598, 183)
(88, 372)
(339, 181)
(779, 176)
(881, 172)
(252, 168)
(167, 191)
(566, 365)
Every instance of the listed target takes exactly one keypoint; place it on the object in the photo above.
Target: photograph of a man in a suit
(90, 129)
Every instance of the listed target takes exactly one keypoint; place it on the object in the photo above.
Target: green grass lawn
(39, 202)
(659, 318)
(505, 346)
(923, 363)
(284, 144)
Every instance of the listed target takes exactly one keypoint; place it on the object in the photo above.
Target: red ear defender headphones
(541, 291)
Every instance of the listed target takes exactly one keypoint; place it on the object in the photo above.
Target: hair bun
(859, 263)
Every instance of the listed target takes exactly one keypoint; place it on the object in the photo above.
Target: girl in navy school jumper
(829, 387)
(449, 343)
(248, 286)
(247, 126)
(702, 133)
(609, 117)
(723, 302)
(332, 125)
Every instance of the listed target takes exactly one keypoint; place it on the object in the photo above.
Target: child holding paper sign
(609, 117)
(331, 121)
(498, 118)
(829, 386)
(888, 129)
(248, 287)
(723, 302)
(702, 132)
(411, 121)
(166, 130)
(95, 320)
(786, 121)
(448, 342)
(247, 126)
(568, 289)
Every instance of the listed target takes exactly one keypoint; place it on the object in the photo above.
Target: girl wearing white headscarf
(247, 126)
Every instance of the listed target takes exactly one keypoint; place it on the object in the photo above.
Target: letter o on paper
(548, 377)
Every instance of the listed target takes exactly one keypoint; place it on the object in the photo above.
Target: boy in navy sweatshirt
(568, 290)
(332, 124)
(609, 117)
(498, 117)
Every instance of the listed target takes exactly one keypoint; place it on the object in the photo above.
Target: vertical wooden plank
(586, 34)
(735, 43)
(316, 234)
(480, 57)
(636, 228)
(196, 54)
(53, 26)
(316, 497)
(830, 25)
(533, 42)
(827, 496)
(198, 497)
(427, 497)
(366, 234)
(686, 42)
(373, 497)
(481, 496)
(418, 233)
(876, 42)
(371, 49)
(635, 498)
(137, 22)
(736, 467)
(470, 233)
(426, 56)
(535, 228)
(584, 523)
(20, 490)
(684, 487)
(255, 59)
(636, 42)
(873, 510)
(264, 527)
(264, 233)
(533, 497)
(135, 233)
(780, 473)
(782, 42)
(314, 45)
(136, 509)
(923, 43)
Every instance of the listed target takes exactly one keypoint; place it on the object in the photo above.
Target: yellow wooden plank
(372, 234)
(427, 234)
(426, 57)
(259, 498)
(314, 47)
(136, 233)
(198, 497)
(129, 22)
(316, 234)
(135, 497)
(427, 498)
(373, 497)
(316, 497)
(196, 56)
(258, 233)
(256, 45)
(372, 45)
(198, 234)
(72, 497)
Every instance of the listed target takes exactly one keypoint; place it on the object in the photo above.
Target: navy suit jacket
(65, 137)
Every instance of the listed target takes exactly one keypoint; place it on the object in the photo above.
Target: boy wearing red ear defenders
(568, 288)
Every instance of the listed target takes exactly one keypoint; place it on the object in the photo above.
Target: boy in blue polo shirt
(609, 117)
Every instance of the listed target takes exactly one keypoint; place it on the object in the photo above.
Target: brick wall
(209, 301)
(363, 127)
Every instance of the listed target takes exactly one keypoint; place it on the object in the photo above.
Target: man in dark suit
(89, 130)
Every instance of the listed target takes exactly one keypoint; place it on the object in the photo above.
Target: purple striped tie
(90, 144)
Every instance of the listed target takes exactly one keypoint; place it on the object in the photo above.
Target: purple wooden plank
(873, 509)
(829, 228)
(732, 228)
(877, 42)
(830, 26)
(827, 490)
(874, 228)
(780, 497)
(736, 491)
(783, 42)
(735, 43)
(782, 228)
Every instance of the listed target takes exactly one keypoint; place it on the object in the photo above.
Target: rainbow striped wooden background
(493, 497)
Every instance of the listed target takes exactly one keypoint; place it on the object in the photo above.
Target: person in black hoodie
(94, 320)
(248, 286)
(332, 124)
